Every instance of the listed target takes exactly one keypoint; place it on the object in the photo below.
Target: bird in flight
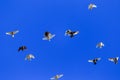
(48, 36)
(57, 77)
(12, 33)
(22, 48)
(91, 6)
(29, 57)
(115, 60)
(71, 33)
(100, 45)
(94, 61)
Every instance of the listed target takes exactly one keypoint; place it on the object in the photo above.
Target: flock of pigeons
(48, 36)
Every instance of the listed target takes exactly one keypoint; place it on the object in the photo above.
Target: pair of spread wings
(49, 37)
(29, 57)
(12, 33)
(56, 77)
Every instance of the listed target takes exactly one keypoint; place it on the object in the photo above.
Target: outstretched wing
(94, 6)
(61, 75)
(111, 59)
(15, 32)
(9, 33)
(90, 60)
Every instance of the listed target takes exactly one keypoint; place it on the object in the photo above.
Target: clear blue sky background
(63, 54)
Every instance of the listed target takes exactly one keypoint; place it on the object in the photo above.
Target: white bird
(57, 77)
(94, 61)
(71, 33)
(115, 60)
(29, 57)
(12, 33)
(48, 36)
(91, 6)
(100, 45)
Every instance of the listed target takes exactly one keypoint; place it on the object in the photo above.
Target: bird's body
(91, 6)
(29, 57)
(56, 77)
(94, 61)
(115, 60)
(12, 33)
(22, 48)
(71, 33)
(100, 45)
(48, 36)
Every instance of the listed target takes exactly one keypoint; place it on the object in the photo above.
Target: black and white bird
(12, 33)
(94, 61)
(100, 45)
(48, 36)
(29, 57)
(71, 33)
(115, 60)
(91, 6)
(22, 48)
(57, 77)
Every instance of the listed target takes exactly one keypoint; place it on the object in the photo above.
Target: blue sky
(62, 54)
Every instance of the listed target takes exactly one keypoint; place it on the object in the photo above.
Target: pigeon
(71, 33)
(29, 57)
(12, 33)
(22, 48)
(48, 36)
(57, 77)
(94, 61)
(91, 6)
(115, 60)
(100, 45)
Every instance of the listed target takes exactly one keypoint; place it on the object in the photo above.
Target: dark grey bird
(22, 48)
(115, 60)
(94, 61)
(48, 36)
(71, 33)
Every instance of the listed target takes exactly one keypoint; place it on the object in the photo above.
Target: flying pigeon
(56, 77)
(91, 6)
(115, 60)
(100, 45)
(29, 57)
(12, 33)
(94, 61)
(22, 48)
(71, 33)
(48, 36)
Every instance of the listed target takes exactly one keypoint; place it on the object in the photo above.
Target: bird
(94, 61)
(115, 60)
(12, 33)
(91, 6)
(29, 57)
(22, 48)
(100, 45)
(48, 36)
(71, 33)
(57, 77)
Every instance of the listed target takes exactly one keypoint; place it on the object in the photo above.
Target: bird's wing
(15, 31)
(52, 78)
(111, 59)
(94, 6)
(90, 60)
(19, 49)
(51, 36)
(76, 32)
(98, 59)
(9, 33)
(117, 58)
(60, 75)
